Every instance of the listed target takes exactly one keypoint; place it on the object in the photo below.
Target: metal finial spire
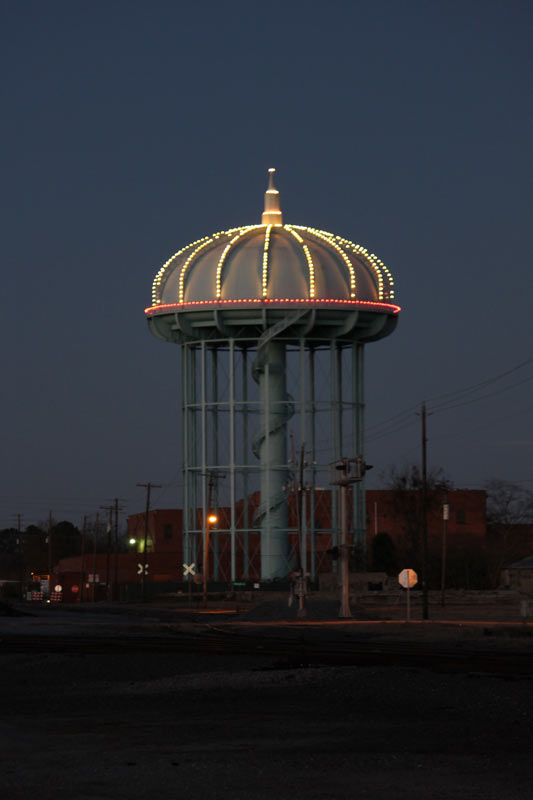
(272, 212)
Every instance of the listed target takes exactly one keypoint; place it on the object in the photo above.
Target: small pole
(406, 579)
(425, 599)
(82, 557)
(302, 613)
(49, 551)
(115, 576)
(96, 526)
(345, 558)
(109, 529)
(212, 519)
(108, 554)
(20, 553)
(445, 518)
(206, 561)
(149, 486)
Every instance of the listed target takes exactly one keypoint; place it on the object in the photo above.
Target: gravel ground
(143, 725)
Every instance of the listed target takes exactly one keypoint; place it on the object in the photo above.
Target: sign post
(189, 571)
(408, 578)
(445, 518)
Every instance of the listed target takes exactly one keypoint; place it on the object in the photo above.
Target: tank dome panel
(288, 274)
(241, 272)
(201, 273)
(272, 262)
(332, 277)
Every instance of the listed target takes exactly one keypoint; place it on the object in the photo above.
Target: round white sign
(58, 588)
(407, 578)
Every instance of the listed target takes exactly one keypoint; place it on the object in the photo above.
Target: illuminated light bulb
(374, 261)
(186, 266)
(265, 260)
(351, 271)
(310, 265)
(383, 280)
(167, 264)
(241, 232)
(302, 301)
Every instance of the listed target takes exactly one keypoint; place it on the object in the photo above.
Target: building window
(460, 516)
(167, 532)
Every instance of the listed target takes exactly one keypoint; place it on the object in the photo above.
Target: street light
(211, 520)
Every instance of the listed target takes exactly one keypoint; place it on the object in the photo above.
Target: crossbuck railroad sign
(189, 569)
(142, 568)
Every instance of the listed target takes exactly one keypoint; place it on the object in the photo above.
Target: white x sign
(189, 569)
(142, 568)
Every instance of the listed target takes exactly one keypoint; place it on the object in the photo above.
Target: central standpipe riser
(273, 456)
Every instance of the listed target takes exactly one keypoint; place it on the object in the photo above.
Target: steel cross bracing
(236, 403)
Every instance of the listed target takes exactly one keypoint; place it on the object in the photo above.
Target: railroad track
(285, 652)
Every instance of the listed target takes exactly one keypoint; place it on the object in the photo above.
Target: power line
(444, 407)
(449, 403)
(396, 417)
(391, 431)
(486, 382)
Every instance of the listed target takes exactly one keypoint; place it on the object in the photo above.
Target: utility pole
(345, 611)
(445, 518)
(425, 603)
(82, 559)
(301, 510)
(115, 576)
(301, 581)
(20, 549)
(96, 531)
(109, 529)
(49, 552)
(148, 486)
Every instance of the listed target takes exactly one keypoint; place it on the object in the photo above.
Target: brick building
(396, 514)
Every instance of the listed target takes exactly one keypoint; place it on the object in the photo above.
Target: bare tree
(405, 483)
(509, 521)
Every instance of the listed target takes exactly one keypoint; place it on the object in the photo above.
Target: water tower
(272, 319)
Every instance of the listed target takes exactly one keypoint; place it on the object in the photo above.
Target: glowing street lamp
(212, 519)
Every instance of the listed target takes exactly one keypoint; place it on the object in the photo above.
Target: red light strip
(195, 304)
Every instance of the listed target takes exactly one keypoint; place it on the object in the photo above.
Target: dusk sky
(131, 128)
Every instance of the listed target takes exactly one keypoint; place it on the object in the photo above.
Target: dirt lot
(148, 725)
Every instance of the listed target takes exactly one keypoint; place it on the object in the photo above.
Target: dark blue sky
(131, 128)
